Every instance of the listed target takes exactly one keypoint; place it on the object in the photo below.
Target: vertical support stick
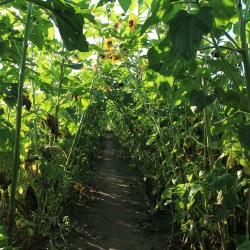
(16, 164)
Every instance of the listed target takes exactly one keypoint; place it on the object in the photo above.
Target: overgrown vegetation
(170, 78)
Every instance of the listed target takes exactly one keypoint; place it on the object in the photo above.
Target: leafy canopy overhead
(69, 22)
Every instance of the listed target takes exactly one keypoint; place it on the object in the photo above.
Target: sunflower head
(118, 25)
(103, 56)
(109, 43)
(111, 54)
(132, 22)
(75, 58)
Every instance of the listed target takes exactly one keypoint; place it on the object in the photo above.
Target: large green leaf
(244, 246)
(40, 32)
(69, 23)
(87, 14)
(75, 66)
(223, 10)
(243, 133)
(125, 4)
(157, 55)
(218, 182)
(7, 135)
(161, 10)
(199, 99)
(186, 31)
(102, 2)
(220, 213)
(53, 171)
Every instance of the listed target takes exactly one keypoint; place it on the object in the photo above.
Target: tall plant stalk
(33, 88)
(16, 164)
(83, 120)
(244, 45)
(78, 134)
(62, 70)
(207, 131)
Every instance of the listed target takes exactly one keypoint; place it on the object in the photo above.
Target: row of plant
(50, 110)
(186, 124)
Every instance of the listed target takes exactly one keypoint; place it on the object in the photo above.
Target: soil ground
(116, 217)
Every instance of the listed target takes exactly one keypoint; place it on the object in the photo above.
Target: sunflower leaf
(162, 8)
(69, 23)
(186, 31)
(243, 138)
(125, 4)
(102, 2)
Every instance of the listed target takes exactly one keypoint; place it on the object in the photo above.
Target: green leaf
(167, 193)
(48, 88)
(40, 32)
(218, 182)
(220, 213)
(244, 138)
(75, 66)
(7, 135)
(223, 11)
(55, 172)
(1, 111)
(72, 127)
(30, 232)
(69, 23)
(89, 16)
(125, 4)
(162, 9)
(230, 199)
(10, 101)
(158, 55)
(186, 31)
(244, 246)
(102, 2)
(152, 139)
(199, 100)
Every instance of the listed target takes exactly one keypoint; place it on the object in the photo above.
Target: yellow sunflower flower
(132, 22)
(109, 43)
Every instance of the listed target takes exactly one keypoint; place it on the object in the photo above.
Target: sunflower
(111, 54)
(75, 58)
(132, 22)
(118, 25)
(103, 56)
(109, 43)
(105, 89)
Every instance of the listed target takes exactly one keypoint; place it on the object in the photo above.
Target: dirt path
(110, 222)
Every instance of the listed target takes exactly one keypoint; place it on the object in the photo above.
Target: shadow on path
(111, 220)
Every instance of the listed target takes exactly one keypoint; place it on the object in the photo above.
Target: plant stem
(76, 138)
(62, 70)
(83, 119)
(223, 235)
(16, 164)
(244, 46)
(248, 217)
(35, 111)
(207, 131)
(201, 242)
(230, 38)
(228, 71)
